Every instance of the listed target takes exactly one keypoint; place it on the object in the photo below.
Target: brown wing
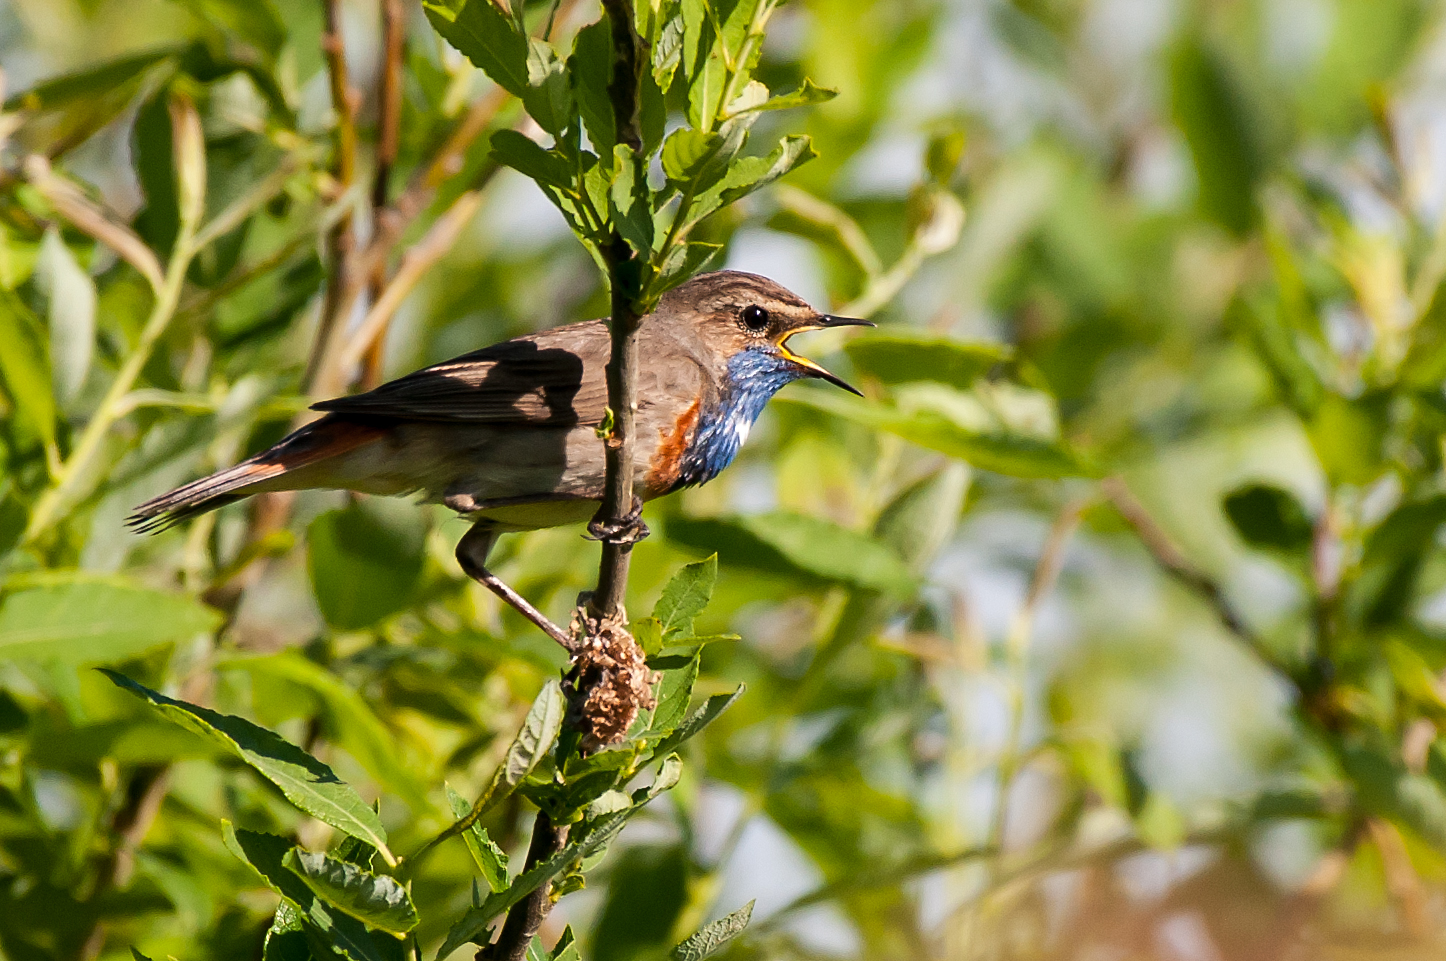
(554, 378)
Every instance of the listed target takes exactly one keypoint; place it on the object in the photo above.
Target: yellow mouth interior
(790, 355)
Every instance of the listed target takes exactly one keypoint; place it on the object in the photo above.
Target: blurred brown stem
(340, 241)
(1168, 556)
(389, 122)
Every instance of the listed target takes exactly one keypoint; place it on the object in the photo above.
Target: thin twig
(1168, 556)
(1046, 573)
(340, 240)
(416, 262)
(389, 121)
(92, 219)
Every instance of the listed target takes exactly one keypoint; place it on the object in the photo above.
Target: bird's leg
(472, 551)
(626, 530)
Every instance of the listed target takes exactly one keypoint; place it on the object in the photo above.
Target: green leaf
(539, 730)
(1220, 128)
(286, 938)
(674, 694)
(752, 173)
(491, 860)
(266, 854)
(549, 98)
(1016, 455)
(903, 358)
(809, 547)
(94, 622)
(667, 52)
(590, 68)
(804, 96)
(686, 152)
(377, 900)
(254, 21)
(365, 560)
(713, 936)
(632, 214)
(598, 834)
(137, 956)
(528, 157)
(309, 784)
(566, 947)
(488, 38)
(710, 711)
(25, 374)
(354, 725)
(72, 299)
(686, 596)
(67, 110)
(1280, 348)
(1269, 517)
(682, 263)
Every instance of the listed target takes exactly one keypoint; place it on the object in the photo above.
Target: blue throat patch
(753, 377)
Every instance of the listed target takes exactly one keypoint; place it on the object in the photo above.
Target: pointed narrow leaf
(590, 68)
(539, 730)
(713, 936)
(377, 900)
(491, 860)
(72, 298)
(673, 697)
(306, 782)
(94, 622)
(699, 719)
(686, 596)
(266, 854)
(25, 373)
(487, 37)
(528, 157)
(804, 96)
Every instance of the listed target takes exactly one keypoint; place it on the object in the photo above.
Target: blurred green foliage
(1110, 624)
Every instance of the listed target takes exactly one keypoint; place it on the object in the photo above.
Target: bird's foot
(625, 531)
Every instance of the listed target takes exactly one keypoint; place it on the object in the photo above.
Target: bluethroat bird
(507, 435)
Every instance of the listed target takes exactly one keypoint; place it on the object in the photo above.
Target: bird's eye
(755, 318)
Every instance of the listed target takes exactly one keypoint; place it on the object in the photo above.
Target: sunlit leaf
(95, 622)
(686, 596)
(710, 938)
(487, 37)
(72, 298)
(306, 782)
(491, 860)
(378, 900)
(266, 854)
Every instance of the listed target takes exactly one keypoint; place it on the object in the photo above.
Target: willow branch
(622, 372)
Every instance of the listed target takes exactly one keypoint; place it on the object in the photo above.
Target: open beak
(824, 322)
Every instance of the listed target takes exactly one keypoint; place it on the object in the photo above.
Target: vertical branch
(609, 678)
(389, 122)
(616, 524)
(340, 243)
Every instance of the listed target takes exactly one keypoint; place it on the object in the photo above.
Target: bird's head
(747, 317)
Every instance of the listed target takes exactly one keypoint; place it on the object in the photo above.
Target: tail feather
(315, 442)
